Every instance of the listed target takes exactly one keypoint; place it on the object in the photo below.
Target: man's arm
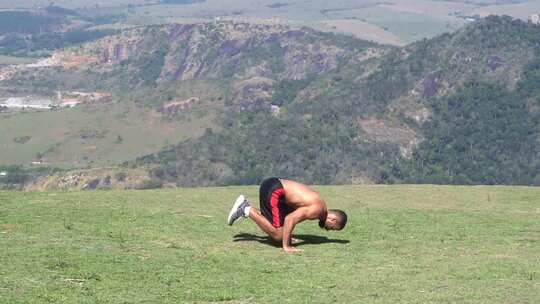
(291, 220)
(294, 218)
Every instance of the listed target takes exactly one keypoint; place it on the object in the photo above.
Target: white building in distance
(28, 102)
(535, 19)
(274, 109)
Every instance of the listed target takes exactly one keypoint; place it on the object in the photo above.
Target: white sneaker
(237, 210)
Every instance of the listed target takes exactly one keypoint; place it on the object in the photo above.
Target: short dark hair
(342, 217)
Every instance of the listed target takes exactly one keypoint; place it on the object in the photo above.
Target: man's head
(335, 220)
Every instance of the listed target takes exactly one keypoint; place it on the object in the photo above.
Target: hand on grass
(290, 249)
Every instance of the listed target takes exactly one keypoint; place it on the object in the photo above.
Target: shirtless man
(285, 203)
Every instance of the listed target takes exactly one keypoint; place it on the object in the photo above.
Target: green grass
(142, 130)
(407, 26)
(88, 133)
(430, 20)
(403, 244)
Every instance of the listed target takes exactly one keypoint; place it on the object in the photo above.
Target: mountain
(148, 87)
(459, 108)
(225, 52)
(270, 100)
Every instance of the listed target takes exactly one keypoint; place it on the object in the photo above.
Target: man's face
(331, 222)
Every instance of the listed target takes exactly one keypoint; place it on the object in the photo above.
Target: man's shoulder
(316, 210)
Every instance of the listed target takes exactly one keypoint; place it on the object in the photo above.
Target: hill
(250, 100)
(169, 82)
(407, 244)
(459, 108)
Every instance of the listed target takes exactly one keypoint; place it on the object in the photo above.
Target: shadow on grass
(302, 239)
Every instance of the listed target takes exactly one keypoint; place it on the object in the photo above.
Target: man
(285, 203)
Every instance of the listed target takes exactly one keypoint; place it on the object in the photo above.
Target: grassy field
(346, 16)
(407, 20)
(518, 10)
(90, 134)
(409, 26)
(62, 142)
(403, 244)
(363, 30)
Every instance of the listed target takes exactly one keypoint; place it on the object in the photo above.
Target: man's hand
(290, 221)
(290, 249)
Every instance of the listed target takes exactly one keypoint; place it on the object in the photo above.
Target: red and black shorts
(272, 200)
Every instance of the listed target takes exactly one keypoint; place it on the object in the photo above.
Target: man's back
(298, 195)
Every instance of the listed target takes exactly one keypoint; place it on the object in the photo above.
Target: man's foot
(237, 210)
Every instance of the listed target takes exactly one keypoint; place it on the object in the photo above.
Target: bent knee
(276, 237)
(277, 234)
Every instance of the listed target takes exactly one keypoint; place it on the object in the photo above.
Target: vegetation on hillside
(15, 177)
(17, 45)
(25, 33)
(482, 135)
(483, 129)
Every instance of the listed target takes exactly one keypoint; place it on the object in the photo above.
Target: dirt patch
(176, 106)
(364, 30)
(74, 61)
(7, 72)
(9, 226)
(69, 60)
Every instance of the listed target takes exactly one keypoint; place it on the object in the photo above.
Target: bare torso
(298, 195)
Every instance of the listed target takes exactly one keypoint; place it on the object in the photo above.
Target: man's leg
(264, 224)
(242, 208)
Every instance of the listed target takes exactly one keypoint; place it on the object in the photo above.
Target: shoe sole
(239, 200)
